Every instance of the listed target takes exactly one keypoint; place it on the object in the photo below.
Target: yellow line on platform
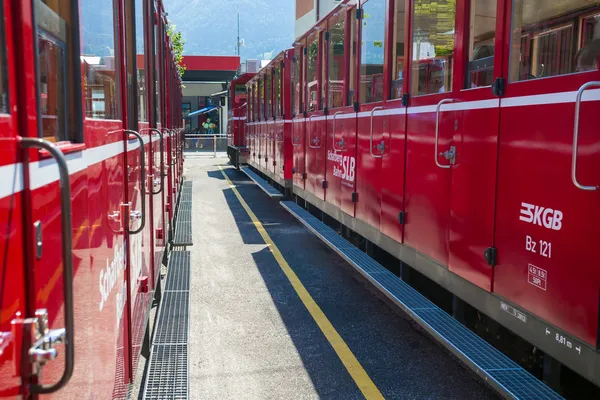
(356, 371)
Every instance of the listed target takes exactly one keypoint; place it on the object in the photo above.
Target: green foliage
(178, 42)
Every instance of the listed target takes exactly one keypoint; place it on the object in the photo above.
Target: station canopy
(210, 68)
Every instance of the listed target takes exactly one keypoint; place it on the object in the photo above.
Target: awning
(201, 111)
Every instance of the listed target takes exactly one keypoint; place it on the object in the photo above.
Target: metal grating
(172, 325)
(167, 376)
(183, 234)
(507, 375)
(178, 275)
(264, 185)
(168, 373)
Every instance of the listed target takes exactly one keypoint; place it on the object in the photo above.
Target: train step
(167, 376)
(498, 370)
(264, 185)
(183, 219)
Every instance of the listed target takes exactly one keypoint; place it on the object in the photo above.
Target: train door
(393, 166)
(373, 139)
(430, 128)
(13, 300)
(315, 118)
(471, 155)
(298, 117)
(71, 247)
(340, 169)
(548, 182)
(139, 188)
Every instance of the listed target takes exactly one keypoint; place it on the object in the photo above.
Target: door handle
(437, 135)
(371, 135)
(576, 137)
(43, 350)
(162, 150)
(314, 140)
(341, 142)
(142, 181)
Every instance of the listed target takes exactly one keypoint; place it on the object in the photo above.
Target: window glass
(140, 61)
(250, 108)
(277, 86)
(323, 78)
(269, 93)
(353, 51)
(3, 68)
(296, 86)
(261, 99)
(432, 46)
(55, 61)
(255, 100)
(312, 73)
(337, 63)
(158, 86)
(551, 38)
(482, 32)
(98, 58)
(397, 83)
(372, 51)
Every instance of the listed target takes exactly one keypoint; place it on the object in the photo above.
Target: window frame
(73, 95)
(387, 37)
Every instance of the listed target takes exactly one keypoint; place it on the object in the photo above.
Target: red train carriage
(459, 136)
(237, 147)
(269, 119)
(90, 167)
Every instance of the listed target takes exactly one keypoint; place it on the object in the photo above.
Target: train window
(158, 49)
(277, 89)
(337, 62)
(296, 87)
(323, 78)
(397, 84)
(482, 32)
(352, 75)
(312, 73)
(261, 98)
(140, 61)
(3, 68)
(249, 112)
(269, 93)
(99, 59)
(554, 38)
(433, 46)
(372, 51)
(55, 61)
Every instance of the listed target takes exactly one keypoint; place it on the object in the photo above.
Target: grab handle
(341, 142)
(382, 149)
(576, 137)
(66, 334)
(162, 151)
(141, 215)
(437, 132)
(312, 140)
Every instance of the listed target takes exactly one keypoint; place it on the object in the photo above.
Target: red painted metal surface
(114, 271)
(211, 63)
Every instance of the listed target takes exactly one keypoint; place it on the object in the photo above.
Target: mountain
(209, 27)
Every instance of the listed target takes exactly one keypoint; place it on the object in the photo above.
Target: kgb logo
(546, 217)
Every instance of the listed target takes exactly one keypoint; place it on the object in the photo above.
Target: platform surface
(251, 335)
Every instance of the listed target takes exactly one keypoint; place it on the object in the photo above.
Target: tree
(178, 42)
